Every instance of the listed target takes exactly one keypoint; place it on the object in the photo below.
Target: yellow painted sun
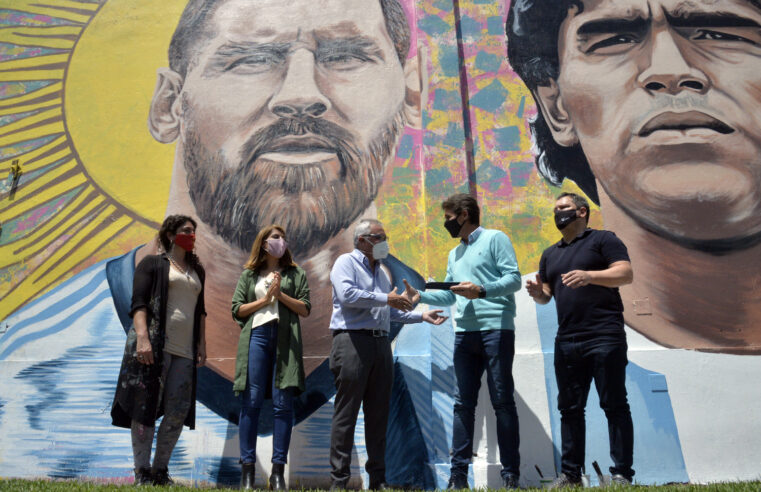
(76, 80)
(109, 86)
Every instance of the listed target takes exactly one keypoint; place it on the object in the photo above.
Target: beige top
(180, 309)
(268, 312)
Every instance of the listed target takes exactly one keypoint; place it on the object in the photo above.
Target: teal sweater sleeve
(506, 264)
(440, 297)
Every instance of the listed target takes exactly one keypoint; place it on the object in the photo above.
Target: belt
(370, 333)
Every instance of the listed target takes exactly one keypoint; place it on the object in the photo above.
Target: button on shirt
(360, 296)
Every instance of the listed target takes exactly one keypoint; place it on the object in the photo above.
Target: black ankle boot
(277, 480)
(143, 476)
(161, 476)
(247, 476)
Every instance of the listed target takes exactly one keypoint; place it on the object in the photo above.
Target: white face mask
(380, 250)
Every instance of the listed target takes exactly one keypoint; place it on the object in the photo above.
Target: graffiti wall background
(112, 117)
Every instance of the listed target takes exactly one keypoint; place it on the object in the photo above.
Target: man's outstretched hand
(535, 289)
(398, 301)
(411, 293)
(434, 316)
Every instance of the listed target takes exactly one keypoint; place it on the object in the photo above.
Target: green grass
(83, 486)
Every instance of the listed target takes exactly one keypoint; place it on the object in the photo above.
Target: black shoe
(510, 482)
(337, 485)
(620, 480)
(247, 475)
(143, 476)
(277, 480)
(564, 481)
(161, 477)
(458, 482)
(379, 486)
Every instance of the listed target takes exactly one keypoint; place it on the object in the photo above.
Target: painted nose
(669, 70)
(299, 94)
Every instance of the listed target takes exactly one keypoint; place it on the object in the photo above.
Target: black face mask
(564, 217)
(453, 227)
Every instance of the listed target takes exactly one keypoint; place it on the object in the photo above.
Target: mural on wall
(651, 108)
(314, 114)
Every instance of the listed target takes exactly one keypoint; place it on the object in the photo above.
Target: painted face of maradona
(291, 112)
(664, 97)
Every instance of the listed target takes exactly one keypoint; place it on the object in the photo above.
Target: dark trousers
(577, 363)
(262, 349)
(474, 352)
(364, 371)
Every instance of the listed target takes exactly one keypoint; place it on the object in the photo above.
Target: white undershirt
(268, 312)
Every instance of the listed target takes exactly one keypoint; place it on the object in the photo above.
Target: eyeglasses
(376, 237)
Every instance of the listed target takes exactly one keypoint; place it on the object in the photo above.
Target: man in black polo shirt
(583, 272)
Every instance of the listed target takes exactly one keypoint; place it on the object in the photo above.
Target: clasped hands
(273, 291)
(407, 300)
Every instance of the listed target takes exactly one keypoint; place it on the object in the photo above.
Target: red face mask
(185, 241)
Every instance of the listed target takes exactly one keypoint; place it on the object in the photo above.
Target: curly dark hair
(191, 28)
(532, 31)
(170, 226)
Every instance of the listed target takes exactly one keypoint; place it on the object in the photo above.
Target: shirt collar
(473, 235)
(362, 258)
(581, 235)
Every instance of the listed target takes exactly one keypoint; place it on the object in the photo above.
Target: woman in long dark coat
(164, 344)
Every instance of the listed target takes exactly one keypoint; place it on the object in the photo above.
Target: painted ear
(416, 88)
(165, 114)
(551, 105)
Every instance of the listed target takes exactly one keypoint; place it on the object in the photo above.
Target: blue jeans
(577, 363)
(494, 351)
(262, 349)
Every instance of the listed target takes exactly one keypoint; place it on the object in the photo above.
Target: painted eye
(344, 61)
(613, 41)
(708, 35)
(255, 63)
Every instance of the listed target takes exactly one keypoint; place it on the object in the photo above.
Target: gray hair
(363, 228)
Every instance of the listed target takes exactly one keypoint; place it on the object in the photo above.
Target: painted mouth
(684, 121)
(299, 144)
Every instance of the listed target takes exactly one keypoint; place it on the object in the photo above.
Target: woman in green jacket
(271, 295)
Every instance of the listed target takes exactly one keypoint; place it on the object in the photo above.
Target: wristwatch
(481, 292)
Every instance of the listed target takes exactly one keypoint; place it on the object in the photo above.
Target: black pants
(364, 372)
(577, 363)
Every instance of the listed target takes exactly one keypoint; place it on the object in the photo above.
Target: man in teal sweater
(485, 267)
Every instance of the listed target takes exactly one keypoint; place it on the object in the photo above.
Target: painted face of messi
(664, 97)
(291, 111)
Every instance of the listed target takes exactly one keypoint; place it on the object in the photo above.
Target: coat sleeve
(201, 303)
(302, 289)
(142, 284)
(240, 296)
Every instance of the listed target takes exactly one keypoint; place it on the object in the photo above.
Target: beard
(238, 199)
